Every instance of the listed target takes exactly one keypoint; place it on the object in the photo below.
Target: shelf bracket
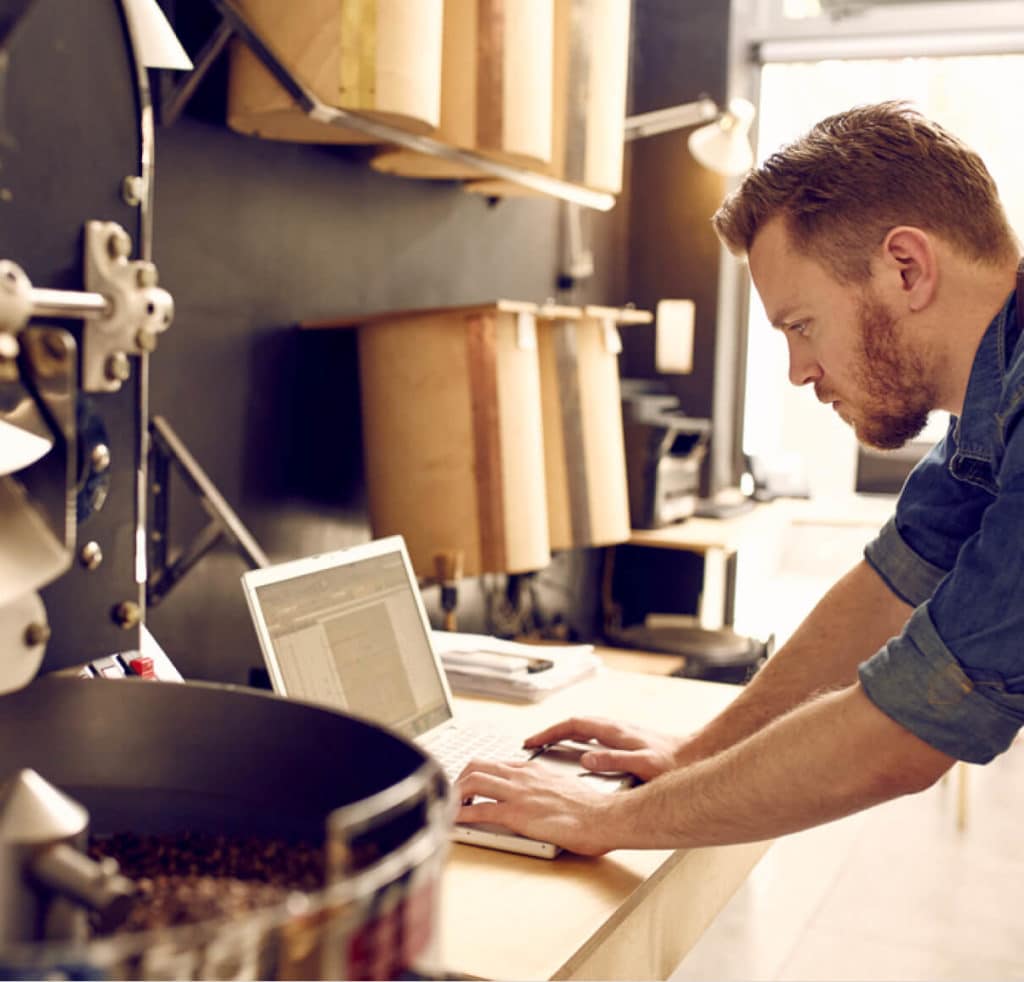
(166, 450)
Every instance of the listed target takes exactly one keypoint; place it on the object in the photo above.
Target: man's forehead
(773, 263)
(771, 243)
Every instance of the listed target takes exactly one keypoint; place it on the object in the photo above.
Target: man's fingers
(489, 783)
(500, 768)
(609, 760)
(584, 729)
(615, 761)
(479, 811)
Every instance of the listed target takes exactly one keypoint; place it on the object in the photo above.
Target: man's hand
(540, 802)
(620, 747)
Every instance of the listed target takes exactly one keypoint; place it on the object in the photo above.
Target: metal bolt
(119, 245)
(146, 340)
(133, 190)
(91, 555)
(118, 368)
(11, 279)
(106, 868)
(36, 634)
(100, 457)
(56, 347)
(146, 274)
(127, 614)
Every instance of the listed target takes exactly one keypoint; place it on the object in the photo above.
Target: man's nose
(803, 367)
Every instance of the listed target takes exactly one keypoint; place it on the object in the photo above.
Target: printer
(664, 452)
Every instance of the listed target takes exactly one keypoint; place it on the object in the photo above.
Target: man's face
(844, 341)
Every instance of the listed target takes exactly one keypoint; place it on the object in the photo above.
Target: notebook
(348, 630)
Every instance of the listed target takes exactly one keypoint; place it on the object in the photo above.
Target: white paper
(470, 671)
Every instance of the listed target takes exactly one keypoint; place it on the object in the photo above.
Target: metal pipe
(69, 303)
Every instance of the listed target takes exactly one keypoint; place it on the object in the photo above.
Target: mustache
(823, 395)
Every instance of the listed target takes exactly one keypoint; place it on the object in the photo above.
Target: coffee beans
(190, 878)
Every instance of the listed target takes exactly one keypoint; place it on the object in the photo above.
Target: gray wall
(252, 237)
(679, 54)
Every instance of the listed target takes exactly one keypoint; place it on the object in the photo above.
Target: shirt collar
(976, 428)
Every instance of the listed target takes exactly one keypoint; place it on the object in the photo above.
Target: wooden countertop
(630, 914)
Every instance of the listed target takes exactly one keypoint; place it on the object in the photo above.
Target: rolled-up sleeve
(911, 577)
(955, 676)
(916, 681)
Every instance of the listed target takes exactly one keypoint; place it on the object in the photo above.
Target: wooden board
(381, 58)
(590, 72)
(556, 468)
(453, 437)
(584, 450)
(604, 450)
(496, 88)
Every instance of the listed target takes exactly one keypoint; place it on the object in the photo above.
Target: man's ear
(908, 254)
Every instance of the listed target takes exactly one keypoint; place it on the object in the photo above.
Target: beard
(898, 392)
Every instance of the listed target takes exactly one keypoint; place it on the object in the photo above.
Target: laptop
(348, 630)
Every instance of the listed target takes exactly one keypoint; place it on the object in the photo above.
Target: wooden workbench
(631, 914)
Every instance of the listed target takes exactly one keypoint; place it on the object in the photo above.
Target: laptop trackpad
(565, 756)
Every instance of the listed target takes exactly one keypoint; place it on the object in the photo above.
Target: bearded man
(880, 249)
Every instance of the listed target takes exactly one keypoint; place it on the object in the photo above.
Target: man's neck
(972, 294)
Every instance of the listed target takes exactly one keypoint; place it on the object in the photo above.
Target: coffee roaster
(81, 313)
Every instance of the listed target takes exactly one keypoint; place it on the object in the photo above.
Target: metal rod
(671, 118)
(208, 494)
(322, 113)
(164, 579)
(68, 303)
(176, 100)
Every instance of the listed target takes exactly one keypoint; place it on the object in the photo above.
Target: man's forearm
(833, 755)
(849, 624)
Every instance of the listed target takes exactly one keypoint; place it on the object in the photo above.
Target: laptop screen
(347, 630)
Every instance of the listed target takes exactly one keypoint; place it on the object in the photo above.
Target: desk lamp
(722, 144)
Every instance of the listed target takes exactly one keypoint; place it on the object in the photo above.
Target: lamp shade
(724, 145)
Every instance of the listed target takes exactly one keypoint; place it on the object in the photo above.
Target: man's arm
(829, 757)
(847, 626)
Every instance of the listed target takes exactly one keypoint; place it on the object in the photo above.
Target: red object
(143, 667)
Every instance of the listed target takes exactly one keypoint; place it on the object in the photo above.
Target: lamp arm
(670, 118)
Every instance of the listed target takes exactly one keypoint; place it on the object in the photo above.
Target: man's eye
(798, 328)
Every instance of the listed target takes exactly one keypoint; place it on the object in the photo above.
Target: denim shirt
(954, 551)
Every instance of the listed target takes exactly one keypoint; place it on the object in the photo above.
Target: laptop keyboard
(455, 747)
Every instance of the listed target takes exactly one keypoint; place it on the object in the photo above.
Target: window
(970, 95)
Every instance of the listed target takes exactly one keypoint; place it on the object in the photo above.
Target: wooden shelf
(703, 535)
(377, 131)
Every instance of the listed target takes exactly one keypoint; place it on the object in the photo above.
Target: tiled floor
(896, 893)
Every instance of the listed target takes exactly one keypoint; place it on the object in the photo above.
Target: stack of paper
(478, 664)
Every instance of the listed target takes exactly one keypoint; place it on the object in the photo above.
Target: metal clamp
(138, 310)
(123, 310)
(15, 302)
